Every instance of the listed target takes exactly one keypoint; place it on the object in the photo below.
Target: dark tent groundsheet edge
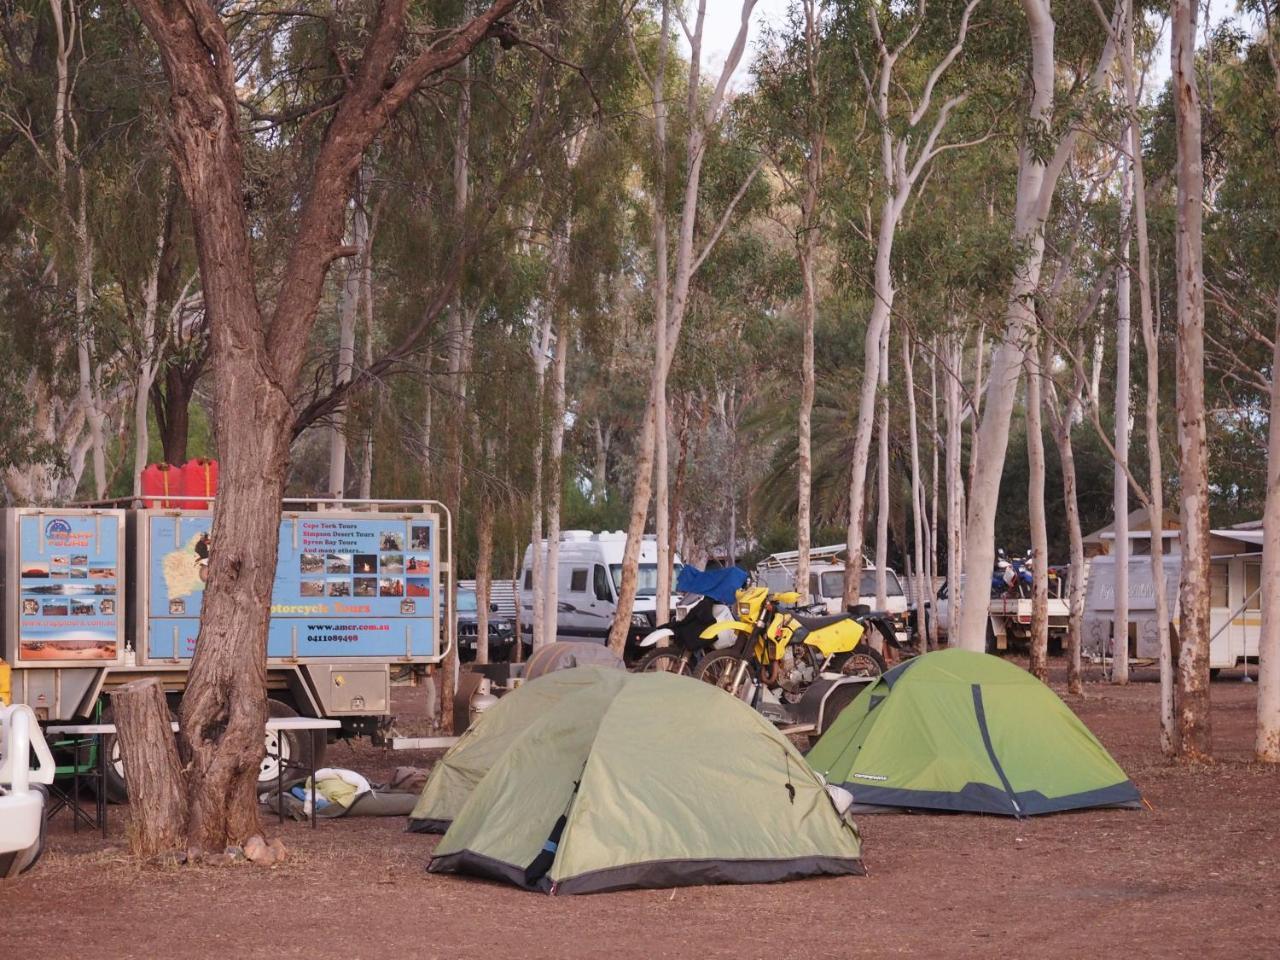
(654, 873)
(983, 798)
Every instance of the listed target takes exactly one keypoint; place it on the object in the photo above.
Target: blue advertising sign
(347, 585)
(68, 586)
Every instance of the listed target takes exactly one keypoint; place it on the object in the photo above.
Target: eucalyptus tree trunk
(807, 251)
(931, 576)
(1267, 737)
(484, 580)
(1194, 726)
(348, 310)
(670, 305)
(898, 175)
(1120, 479)
(555, 483)
(151, 343)
(882, 487)
(1037, 183)
(918, 520)
(1155, 469)
(258, 363)
(1039, 665)
(954, 468)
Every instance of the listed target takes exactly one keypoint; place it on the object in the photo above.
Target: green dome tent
(957, 730)
(456, 774)
(652, 780)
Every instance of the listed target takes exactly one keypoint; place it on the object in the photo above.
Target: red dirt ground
(1199, 875)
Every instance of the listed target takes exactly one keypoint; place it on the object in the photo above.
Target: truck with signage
(93, 598)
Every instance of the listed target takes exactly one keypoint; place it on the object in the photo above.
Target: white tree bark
(1267, 736)
(1155, 469)
(669, 306)
(918, 521)
(898, 174)
(806, 249)
(555, 481)
(348, 309)
(1037, 182)
(1039, 665)
(882, 487)
(1120, 480)
(954, 467)
(1194, 727)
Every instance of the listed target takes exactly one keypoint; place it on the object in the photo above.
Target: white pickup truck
(1008, 618)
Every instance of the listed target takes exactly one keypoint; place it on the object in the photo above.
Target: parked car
(502, 630)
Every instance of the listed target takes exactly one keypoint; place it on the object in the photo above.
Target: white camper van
(1235, 578)
(826, 582)
(588, 578)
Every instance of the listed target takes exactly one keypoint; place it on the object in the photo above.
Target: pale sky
(723, 17)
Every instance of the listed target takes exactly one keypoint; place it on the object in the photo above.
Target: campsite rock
(277, 847)
(257, 850)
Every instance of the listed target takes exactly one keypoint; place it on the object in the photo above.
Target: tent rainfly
(456, 774)
(958, 730)
(647, 780)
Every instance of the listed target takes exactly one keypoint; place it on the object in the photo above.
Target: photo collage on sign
(392, 572)
(67, 603)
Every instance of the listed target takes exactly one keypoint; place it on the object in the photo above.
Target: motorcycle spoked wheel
(664, 660)
(862, 661)
(726, 670)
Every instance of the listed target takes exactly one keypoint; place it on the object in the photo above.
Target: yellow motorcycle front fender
(720, 626)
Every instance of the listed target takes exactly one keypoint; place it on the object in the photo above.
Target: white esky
(724, 16)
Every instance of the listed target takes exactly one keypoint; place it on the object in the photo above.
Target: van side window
(528, 579)
(601, 577)
(578, 581)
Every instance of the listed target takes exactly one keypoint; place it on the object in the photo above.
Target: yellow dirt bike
(783, 650)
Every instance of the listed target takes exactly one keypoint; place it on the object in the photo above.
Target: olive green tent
(652, 780)
(956, 730)
(456, 774)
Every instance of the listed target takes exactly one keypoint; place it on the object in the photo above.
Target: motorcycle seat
(817, 623)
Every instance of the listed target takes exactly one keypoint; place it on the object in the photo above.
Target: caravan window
(578, 580)
(1218, 585)
(1252, 582)
(602, 584)
(528, 579)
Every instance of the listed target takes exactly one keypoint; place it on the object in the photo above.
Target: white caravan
(588, 580)
(1235, 578)
(826, 582)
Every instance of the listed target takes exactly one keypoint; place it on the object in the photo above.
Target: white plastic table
(101, 730)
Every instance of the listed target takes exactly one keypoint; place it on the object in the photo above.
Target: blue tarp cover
(719, 585)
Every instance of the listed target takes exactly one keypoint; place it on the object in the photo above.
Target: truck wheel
(992, 647)
(296, 746)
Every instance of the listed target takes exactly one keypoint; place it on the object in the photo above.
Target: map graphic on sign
(183, 569)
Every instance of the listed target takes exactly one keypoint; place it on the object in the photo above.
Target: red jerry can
(161, 484)
(199, 480)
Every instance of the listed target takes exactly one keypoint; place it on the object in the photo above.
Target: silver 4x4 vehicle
(502, 630)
